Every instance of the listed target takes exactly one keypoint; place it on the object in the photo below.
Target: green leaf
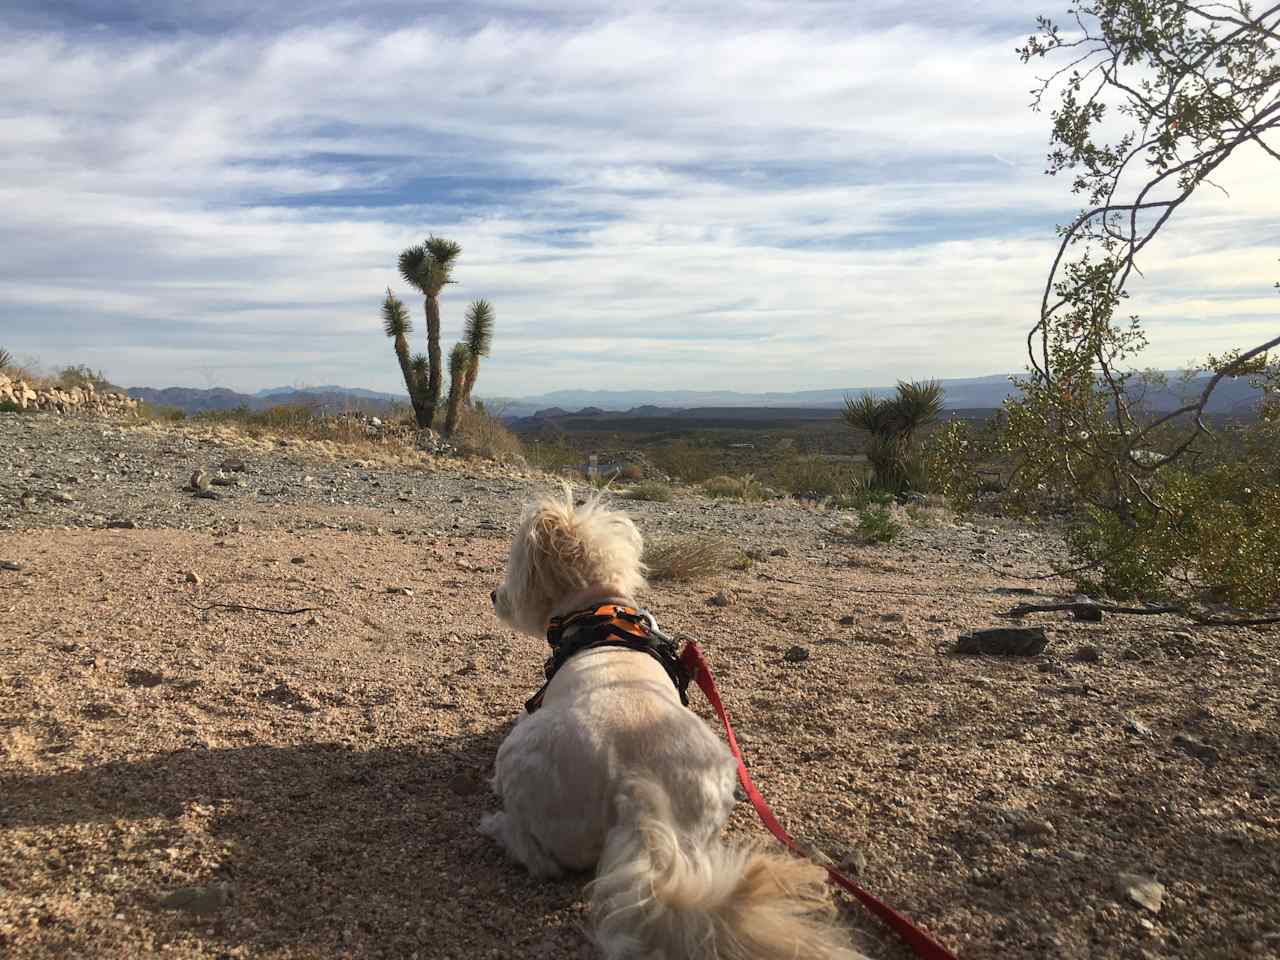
(478, 332)
(395, 318)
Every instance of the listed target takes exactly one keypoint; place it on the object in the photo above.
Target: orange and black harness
(610, 625)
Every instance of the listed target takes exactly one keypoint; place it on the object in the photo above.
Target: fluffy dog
(613, 773)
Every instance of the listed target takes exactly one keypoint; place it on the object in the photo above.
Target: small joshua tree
(893, 423)
(6, 360)
(397, 326)
(478, 337)
(460, 364)
(428, 267)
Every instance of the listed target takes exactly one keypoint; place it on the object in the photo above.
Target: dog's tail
(658, 897)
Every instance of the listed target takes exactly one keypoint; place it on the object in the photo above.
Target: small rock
(193, 577)
(892, 617)
(1087, 612)
(1004, 641)
(232, 465)
(207, 494)
(10, 565)
(848, 620)
(724, 598)
(1137, 728)
(201, 901)
(855, 863)
(402, 591)
(779, 552)
(1088, 653)
(122, 524)
(1203, 752)
(199, 480)
(1144, 891)
(298, 560)
(143, 678)
(796, 654)
(1037, 828)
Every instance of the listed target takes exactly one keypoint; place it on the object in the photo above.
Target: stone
(201, 901)
(723, 598)
(10, 565)
(199, 480)
(121, 523)
(891, 617)
(1142, 890)
(848, 620)
(1137, 728)
(796, 654)
(143, 678)
(207, 494)
(1087, 612)
(1004, 641)
(298, 560)
(779, 552)
(1088, 653)
(854, 862)
(193, 577)
(402, 591)
(1206, 754)
(232, 465)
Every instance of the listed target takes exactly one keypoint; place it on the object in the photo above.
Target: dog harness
(610, 625)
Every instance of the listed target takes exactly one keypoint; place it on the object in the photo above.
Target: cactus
(428, 267)
(460, 364)
(478, 337)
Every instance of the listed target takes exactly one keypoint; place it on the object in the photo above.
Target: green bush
(815, 477)
(876, 524)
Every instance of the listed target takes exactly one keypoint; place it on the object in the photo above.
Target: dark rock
(1088, 653)
(1206, 754)
(796, 654)
(122, 524)
(143, 678)
(10, 565)
(724, 598)
(208, 494)
(1004, 641)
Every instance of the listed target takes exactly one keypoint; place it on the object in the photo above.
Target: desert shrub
(654, 490)
(480, 435)
(684, 460)
(724, 487)
(159, 412)
(876, 524)
(691, 557)
(8, 406)
(815, 478)
(81, 375)
(631, 472)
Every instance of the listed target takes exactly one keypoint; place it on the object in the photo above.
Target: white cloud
(779, 197)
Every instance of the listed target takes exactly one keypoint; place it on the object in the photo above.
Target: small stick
(245, 606)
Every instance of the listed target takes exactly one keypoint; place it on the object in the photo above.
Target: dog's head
(562, 549)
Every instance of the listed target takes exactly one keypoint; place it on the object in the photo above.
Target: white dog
(612, 772)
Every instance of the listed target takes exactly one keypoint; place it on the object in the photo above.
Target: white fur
(613, 773)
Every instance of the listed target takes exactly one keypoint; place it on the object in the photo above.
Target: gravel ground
(212, 781)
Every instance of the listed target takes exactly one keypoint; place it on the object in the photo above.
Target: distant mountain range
(973, 393)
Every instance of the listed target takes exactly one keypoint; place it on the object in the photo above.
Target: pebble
(10, 565)
(1088, 653)
(201, 901)
(1142, 890)
(796, 654)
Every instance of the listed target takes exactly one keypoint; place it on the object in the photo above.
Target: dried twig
(205, 608)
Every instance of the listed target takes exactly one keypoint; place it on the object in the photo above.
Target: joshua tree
(893, 423)
(460, 364)
(477, 337)
(428, 266)
(6, 358)
(397, 325)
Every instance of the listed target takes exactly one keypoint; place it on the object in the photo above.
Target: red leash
(919, 941)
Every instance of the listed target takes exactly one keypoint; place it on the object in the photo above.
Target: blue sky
(749, 195)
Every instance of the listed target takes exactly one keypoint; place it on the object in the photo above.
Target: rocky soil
(183, 773)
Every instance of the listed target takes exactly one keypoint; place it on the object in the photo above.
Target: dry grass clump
(653, 490)
(724, 487)
(691, 557)
(486, 437)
